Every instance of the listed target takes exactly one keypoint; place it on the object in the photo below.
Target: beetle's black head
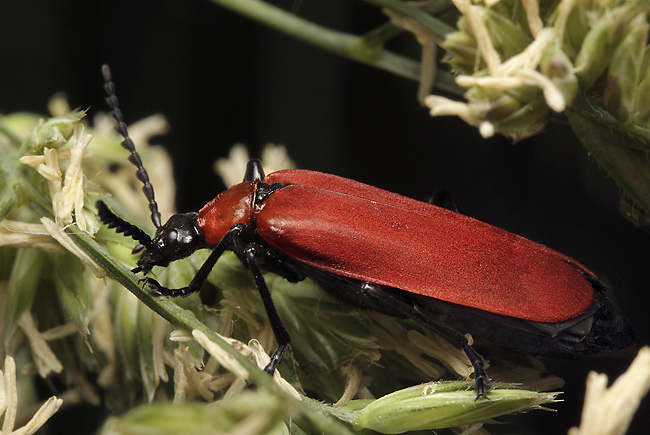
(177, 239)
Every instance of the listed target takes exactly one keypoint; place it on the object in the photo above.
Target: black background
(221, 79)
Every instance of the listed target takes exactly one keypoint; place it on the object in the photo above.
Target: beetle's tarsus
(158, 289)
(482, 385)
(275, 359)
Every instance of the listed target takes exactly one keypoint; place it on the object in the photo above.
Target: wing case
(365, 233)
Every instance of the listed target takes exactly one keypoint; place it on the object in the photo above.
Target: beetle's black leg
(254, 171)
(202, 274)
(252, 251)
(443, 198)
(482, 383)
(379, 299)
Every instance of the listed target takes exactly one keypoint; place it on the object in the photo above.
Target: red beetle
(379, 250)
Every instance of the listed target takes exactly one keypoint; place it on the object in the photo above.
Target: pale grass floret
(262, 359)
(609, 411)
(414, 346)
(64, 239)
(275, 158)
(476, 17)
(442, 106)
(59, 332)
(71, 197)
(441, 350)
(58, 105)
(159, 163)
(181, 384)
(9, 404)
(142, 131)
(564, 10)
(532, 14)
(352, 385)
(121, 184)
(518, 71)
(254, 424)
(102, 330)
(471, 429)
(188, 381)
(16, 234)
(44, 359)
(191, 381)
(158, 338)
(232, 169)
(490, 3)
(428, 43)
(67, 193)
(224, 358)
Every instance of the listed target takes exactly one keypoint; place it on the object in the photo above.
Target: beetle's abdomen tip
(611, 331)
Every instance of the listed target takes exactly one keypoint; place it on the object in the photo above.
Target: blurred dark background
(220, 79)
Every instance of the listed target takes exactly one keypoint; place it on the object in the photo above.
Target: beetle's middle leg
(252, 252)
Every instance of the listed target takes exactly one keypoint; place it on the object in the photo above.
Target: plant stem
(346, 45)
(620, 153)
(436, 26)
(321, 416)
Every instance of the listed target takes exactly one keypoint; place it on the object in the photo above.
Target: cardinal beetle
(382, 251)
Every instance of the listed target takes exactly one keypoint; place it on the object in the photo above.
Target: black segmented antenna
(121, 226)
(134, 158)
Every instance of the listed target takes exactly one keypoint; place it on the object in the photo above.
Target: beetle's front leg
(203, 272)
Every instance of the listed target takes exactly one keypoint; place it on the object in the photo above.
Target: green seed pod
(55, 132)
(253, 413)
(146, 361)
(576, 30)
(23, 283)
(516, 113)
(440, 405)
(598, 46)
(71, 289)
(623, 76)
(494, 105)
(462, 48)
(20, 124)
(641, 113)
(527, 121)
(125, 312)
(508, 37)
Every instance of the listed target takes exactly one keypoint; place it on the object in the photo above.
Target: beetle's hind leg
(381, 300)
(443, 198)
